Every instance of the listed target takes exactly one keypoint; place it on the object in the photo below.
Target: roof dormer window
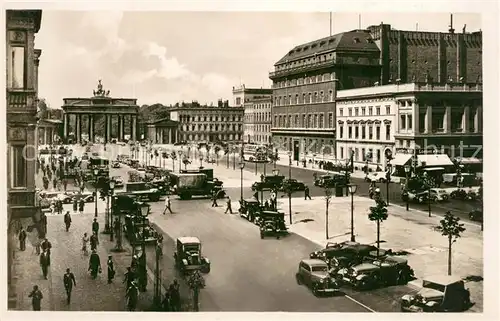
(356, 40)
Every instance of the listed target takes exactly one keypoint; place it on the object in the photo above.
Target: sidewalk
(412, 232)
(88, 295)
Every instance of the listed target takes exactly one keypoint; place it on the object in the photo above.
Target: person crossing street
(95, 229)
(67, 221)
(69, 281)
(228, 206)
(111, 269)
(167, 205)
(306, 193)
(94, 264)
(44, 263)
(214, 199)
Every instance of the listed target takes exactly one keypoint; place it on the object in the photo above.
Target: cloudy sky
(166, 57)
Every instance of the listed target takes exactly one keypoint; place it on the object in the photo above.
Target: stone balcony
(21, 100)
(22, 203)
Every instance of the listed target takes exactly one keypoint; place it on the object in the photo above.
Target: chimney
(451, 30)
(219, 103)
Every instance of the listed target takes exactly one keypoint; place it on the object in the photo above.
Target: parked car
(371, 274)
(116, 164)
(272, 223)
(295, 184)
(415, 196)
(476, 215)
(349, 252)
(87, 197)
(250, 209)
(442, 293)
(439, 195)
(66, 198)
(376, 177)
(313, 273)
(118, 181)
(268, 182)
(188, 255)
(330, 180)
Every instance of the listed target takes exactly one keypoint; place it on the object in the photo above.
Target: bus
(251, 151)
(100, 163)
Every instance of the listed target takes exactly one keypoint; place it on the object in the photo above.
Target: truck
(187, 185)
(141, 191)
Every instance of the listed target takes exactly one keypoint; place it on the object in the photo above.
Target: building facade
(22, 83)
(410, 119)
(256, 102)
(307, 78)
(162, 131)
(50, 131)
(198, 123)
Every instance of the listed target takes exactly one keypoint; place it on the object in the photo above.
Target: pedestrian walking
(132, 296)
(85, 240)
(67, 220)
(36, 298)
(81, 205)
(94, 264)
(65, 184)
(95, 228)
(306, 193)
(167, 205)
(214, 199)
(111, 269)
(129, 277)
(94, 241)
(175, 297)
(44, 264)
(47, 247)
(69, 281)
(166, 302)
(75, 206)
(54, 183)
(228, 206)
(22, 239)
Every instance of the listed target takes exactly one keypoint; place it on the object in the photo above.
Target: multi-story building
(306, 79)
(198, 123)
(404, 120)
(256, 102)
(22, 84)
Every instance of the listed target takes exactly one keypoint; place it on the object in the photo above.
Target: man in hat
(46, 246)
(94, 264)
(36, 298)
(22, 239)
(111, 269)
(44, 263)
(67, 220)
(129, 277)
(94, 241)
(228, 206)
(75, 206)
(81, 205)
(69, 281)
(175, 297)
(95, 228)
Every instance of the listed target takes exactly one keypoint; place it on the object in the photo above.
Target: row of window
(305, 98)
(406, 122)
(205, 137)
(187, 118)
(261, 139)
(364, 132)
(258, 128)
(262, 106)
(257, 117)
(363, 111)
(212, 127)
(361, 154)
(304, 81)
(306, 121)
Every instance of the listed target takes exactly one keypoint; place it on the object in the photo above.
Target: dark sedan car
(295, 184)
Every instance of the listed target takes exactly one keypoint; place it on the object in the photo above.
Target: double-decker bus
(100, 163)
(252, 151)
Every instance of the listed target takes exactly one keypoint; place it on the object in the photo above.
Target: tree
(217, 150)
(378, 213)
(328, 197)
(42, 107)
(186, 161)
(452, 229)
(196, 282)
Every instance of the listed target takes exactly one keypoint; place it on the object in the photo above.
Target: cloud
(170, 68)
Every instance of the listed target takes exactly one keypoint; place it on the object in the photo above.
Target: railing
(305, 67)
(21, 99)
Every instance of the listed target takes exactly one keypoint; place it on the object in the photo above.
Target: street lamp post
(388, 181)
(180, 160)
(96, 172)
(262, 191)
(352, 190)
(407, 172)
(144, 208)
(242, 166)
(234, 159)
(157, 297)
(201, 160)
(110, 209)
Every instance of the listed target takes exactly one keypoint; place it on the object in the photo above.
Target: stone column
(447, 119)
(161, 135)
(416, 118)
(121, 121)
(465, 119)
(78, 130)
(131, 125)
(91, 128)
(477, 120)
(428, 120)
(31, 154)
(133, 134)
(44, 135)
(170, 135)
(66, 120)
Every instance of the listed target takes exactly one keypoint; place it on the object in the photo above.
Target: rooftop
(355, 40)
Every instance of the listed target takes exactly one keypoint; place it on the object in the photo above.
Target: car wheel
(315, 291)
(261, 235)
(298, 279)
(471, 216)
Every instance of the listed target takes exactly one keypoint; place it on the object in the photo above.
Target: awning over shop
(434, 160)
(400, 159)
(469, 160)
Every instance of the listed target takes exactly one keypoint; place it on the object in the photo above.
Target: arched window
(310, 98)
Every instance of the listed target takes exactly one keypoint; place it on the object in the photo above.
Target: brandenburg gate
(111, 115)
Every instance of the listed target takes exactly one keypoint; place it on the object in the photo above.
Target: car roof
(443, 279)
(314, 262)
(188, 239)
(365, 266)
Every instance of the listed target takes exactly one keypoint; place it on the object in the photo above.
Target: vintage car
(330, 180)
(295, 185)
(371, 274)
(441, 293)
(439, 195)
(346, 252)
(376, 177)
(86, 196)
(272, 223)
(116, 164)
(268, 182)
(250, 209)
(66, 198)
(188, 255)
(118, 181)
(476, 215)
(138, 230)
(314, 274)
